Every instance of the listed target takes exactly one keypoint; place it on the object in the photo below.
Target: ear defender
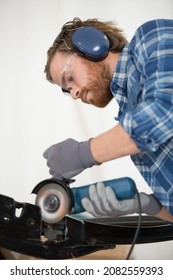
(91, 43)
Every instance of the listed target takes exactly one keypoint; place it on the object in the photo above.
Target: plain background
(35, 114)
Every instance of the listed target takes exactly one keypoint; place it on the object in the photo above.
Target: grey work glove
(68, 158)
(103, 203)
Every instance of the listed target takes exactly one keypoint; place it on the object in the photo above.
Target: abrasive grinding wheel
(54, 202)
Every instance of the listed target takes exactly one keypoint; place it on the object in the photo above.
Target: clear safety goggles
(67, 75)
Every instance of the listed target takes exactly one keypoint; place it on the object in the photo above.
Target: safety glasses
(67, 75)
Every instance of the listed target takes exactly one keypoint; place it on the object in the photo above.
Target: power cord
(138, 226)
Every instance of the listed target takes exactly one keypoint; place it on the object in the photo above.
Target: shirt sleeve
(150, 123)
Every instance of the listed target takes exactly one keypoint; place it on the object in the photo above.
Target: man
(92, 61)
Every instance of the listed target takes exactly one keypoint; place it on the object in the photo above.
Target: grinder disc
(54, 202)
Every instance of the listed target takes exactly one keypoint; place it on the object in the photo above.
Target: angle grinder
(56, 199)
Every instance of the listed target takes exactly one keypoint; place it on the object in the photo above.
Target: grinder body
(124, 188)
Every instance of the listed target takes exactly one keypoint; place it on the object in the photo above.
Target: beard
(98, 85)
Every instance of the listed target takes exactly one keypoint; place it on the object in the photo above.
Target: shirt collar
(120, 74)
(118, 84)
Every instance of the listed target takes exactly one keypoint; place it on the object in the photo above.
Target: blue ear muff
(91, 43)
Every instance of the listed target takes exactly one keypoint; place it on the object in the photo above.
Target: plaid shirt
(143, 87)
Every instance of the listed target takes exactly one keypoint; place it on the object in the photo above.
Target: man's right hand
(102, 202)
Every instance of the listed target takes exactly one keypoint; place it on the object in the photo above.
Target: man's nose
(75, 93)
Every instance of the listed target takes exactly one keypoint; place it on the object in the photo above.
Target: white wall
(34, 114)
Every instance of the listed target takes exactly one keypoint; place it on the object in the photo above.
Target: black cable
(138, 226)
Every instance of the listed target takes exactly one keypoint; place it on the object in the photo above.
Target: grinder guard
(54, 198)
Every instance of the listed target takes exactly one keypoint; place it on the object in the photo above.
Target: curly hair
(63, 42)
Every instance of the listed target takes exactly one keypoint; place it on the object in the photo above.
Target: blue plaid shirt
(143, 87)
